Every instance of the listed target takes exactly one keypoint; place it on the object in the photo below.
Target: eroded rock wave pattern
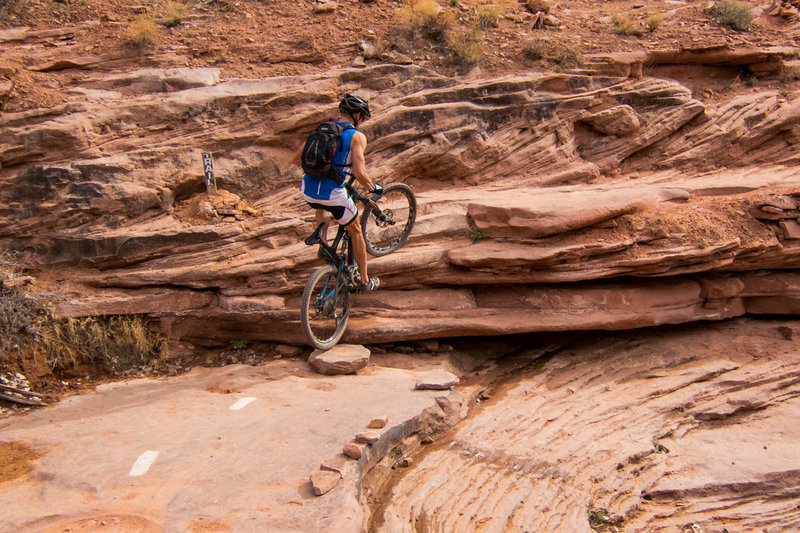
(677, 430)
(547, 202)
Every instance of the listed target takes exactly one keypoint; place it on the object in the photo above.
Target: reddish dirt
(254, 39)
(15, 458)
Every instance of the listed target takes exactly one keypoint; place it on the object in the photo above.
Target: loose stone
(324, 480)
(378, 423)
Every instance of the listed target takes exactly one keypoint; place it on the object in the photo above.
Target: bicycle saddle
(315, 237)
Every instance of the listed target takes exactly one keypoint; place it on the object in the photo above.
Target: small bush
(119, 343)
(733, 15)
(23, 317)
(465, 47)
(488, 16)
(624, 25)
(174, 13)
(478, 235)
(536, 50)
(424, 16)
(559, 53)
(238, 344)
(653, 23)
(143, 32)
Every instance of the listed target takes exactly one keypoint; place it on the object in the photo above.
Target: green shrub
(733, 15)
(238, 344)
(477, 234)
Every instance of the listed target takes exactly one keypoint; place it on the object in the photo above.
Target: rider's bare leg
(359, 249)
(321, 217)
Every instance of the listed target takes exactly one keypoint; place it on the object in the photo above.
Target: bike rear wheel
(386, 229)
(325, 307)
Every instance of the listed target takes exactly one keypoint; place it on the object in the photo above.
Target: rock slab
(341, 359)
(324, 480)
(437, 380)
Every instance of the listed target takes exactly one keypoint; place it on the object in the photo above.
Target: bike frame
(339, 259)
(325, 304)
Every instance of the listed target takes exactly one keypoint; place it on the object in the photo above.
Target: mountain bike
(386, 223)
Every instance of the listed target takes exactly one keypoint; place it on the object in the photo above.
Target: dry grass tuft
(653, 23)
(23, 317)
(174, 13)
(623, 24)
(143, 32)
(119, 343)
(425, 17)
(465, 47)
(734, 15)
(488, 16)
(459, 44)
(556, 52)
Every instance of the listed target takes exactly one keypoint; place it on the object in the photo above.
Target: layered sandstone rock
(682, 429)
(539, 209)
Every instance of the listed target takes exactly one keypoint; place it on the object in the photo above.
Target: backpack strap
(344, 129)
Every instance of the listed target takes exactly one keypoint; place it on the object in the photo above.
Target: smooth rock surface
(200, 461)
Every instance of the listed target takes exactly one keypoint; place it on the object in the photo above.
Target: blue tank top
(321, 188)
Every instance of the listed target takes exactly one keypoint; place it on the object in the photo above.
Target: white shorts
(340, 205)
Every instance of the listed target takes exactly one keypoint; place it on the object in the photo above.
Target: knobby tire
(383, 237)
(325, 307)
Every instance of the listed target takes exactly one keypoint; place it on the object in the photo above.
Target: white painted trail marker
(143, 463)
(241, 403)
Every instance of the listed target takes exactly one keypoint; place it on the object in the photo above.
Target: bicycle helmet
(352, 104)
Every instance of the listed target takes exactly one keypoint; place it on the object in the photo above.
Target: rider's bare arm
(297, 157)
(357, 148)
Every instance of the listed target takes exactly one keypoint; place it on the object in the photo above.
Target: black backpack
(321, 147)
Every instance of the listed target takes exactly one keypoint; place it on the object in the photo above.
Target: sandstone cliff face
(610, 198)
(608, 202)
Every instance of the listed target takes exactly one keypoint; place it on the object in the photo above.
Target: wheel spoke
(387, 230)
(325, 307)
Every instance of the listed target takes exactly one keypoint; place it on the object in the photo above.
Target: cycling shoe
(371, 285)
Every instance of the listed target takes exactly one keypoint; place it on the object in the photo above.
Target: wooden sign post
(208, 168)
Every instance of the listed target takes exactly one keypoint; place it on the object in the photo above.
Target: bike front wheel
(325, 307)
(387, 228)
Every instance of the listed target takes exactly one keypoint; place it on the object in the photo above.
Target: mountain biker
(326, 195)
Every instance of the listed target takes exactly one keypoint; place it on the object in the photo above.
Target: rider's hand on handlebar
(378, 190)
